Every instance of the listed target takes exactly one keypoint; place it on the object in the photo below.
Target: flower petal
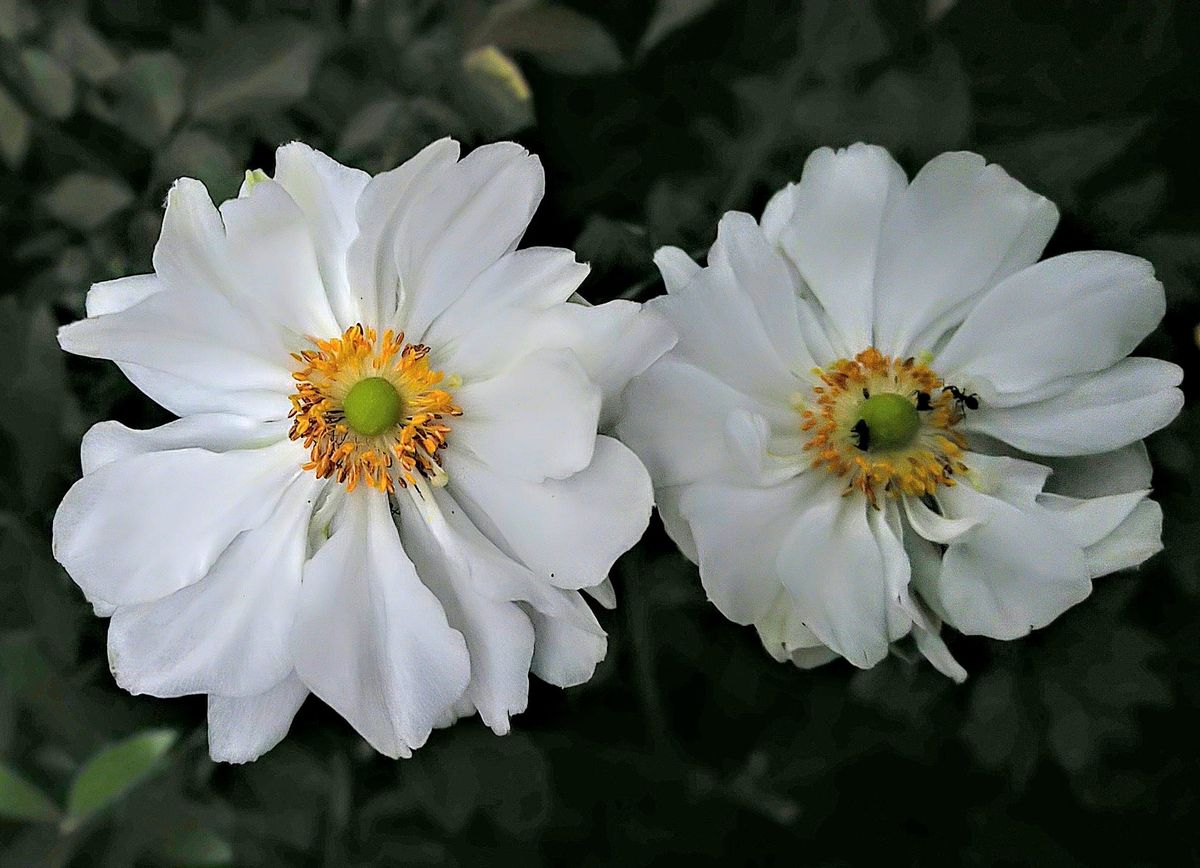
(106, 442)
(1072, 314)
(568, 532)
(1017, 570)
(498, 633)
(1098, 413)
(460, 222)
(565, 654)
(739, 533)
(230, 632)
(143, 527)
(833, 232)
(385, 202)
(960, 228)
(113, 296)
(536, 419)
(327, 193)
(241, 729)
(676, 267)
(370, 639)
(192, 352)
(763, 278)
(273, 262)
(831, 562)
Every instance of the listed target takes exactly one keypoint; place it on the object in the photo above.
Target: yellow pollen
(389, 453)
(838, 419)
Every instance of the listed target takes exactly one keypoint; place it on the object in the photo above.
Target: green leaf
(561, 38)
(48, 84)
(14, 130)
(82, 48)
(669, 16)
(85, 201)
(150, 97)
(504, 93)
(196, 154)
(267, 66)
(197, 847)
(114, 771)
(21, 800)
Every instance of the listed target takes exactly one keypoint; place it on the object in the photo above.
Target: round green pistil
(891, 421)
(372, 406)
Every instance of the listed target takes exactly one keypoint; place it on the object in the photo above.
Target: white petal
(563, 654)
(1099, 413)
(480, 588)
(327, 193)
(113, 296)
(738, 534)
(933, 648)
(676, 403)
(1117, 472)
(833, 233)
(782, 632)
(932, 526)
(192, 352)
(529, 281)
(382, 209)
(230, 632)
(370, 639)
(1087, 521)
(778, 212)
(191, 254)
(1072, 314)
(459, 223)
(763, 278)
(241, 729)
(536, 419)
(568, 532)
(141, 528)
(1137, 538)
(274, 263)
(106, 442)
(676, 267)
(1017, 570)
(667, 501)
(759, 457)
(832, 564)
(960, 228)
(721, 332)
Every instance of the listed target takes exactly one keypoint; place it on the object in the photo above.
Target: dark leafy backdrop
(1075, 746)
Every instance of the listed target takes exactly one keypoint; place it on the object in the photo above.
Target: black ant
(863, 433)
(963, 400)
(922, 401)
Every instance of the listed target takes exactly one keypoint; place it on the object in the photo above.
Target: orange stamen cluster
(410, 448)
(934, 455)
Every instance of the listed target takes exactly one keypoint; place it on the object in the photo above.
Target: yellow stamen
(839, 435)
(399, 453)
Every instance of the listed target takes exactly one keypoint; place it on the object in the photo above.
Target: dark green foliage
(1073, 746)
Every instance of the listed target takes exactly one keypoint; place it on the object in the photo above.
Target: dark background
(1075, 746)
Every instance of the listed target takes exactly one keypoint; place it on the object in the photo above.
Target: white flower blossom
(385, 485)
(883, 413)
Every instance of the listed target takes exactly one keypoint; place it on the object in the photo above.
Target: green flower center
(372, 406)
(891, 421)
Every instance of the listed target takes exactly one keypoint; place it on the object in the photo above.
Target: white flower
(386, 485)
(881, 414)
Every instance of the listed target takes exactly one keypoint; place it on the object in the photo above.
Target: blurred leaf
(369, 125)
(841, 35)
(47, 83)
(502, 88)
(150, 96)
(1058, 163)
(197, 847)
(266, 66)
(559, 37)
(21, 800)
(14, 130)
(84, 201)
(196, 154)
(39, 387)
(607, 244)
(82, 48)
(10, 19)
(669, 16)
(115, 770)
